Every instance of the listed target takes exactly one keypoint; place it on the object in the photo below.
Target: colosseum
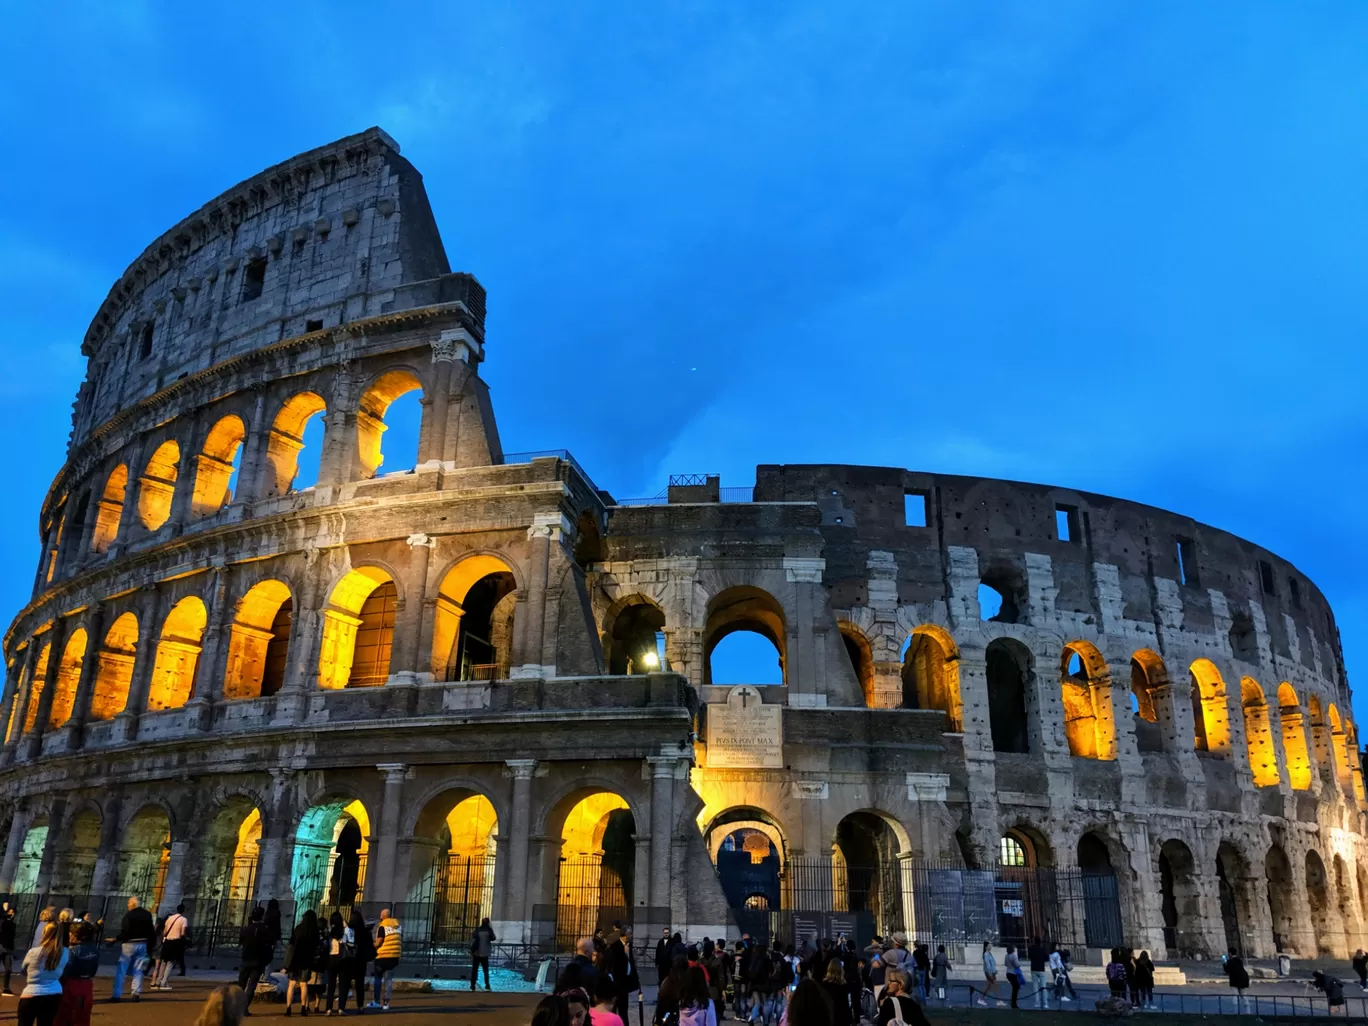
(484, 686)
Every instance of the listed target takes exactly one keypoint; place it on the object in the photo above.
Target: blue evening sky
(1113, 246)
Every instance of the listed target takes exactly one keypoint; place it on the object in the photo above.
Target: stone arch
(744, 608)
(633, 632)
(1234, 892)
(861, 655)
(1025, 846)
(1149, 686)
(30, 860)
(1010, 670)
(114, 671)
(358, 620)
(1281, 902)
(215, 465)
(930, 673)
(157, 486)
(37, 681)
(259, 640)
(370, 415)
(178, 652)
(1085, 687)
(596, 873)
(588, 540)
(1098, 856)
(230, 849)
(68, 676)
(109, 509)
(453, 859)
(1339, 748)
(738, 817)
(145, 853)
(1344, 899)
(1023, 851)
(75, 867)
(866, 872)
(749, 851)
(285, 441)
(1294, 738)
(330, 847)
(1210, 714)
(1180, 899)
(1318, 898)
(1263, 758)
(472, 632)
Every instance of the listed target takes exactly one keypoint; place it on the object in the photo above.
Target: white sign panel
(744, 732)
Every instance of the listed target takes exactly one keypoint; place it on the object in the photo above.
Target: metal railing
(1287, 1007)
(736, 494)
(560, 454)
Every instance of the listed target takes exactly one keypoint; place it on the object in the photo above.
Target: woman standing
(83, 951)
(834, 983)
(940, 972)
(990, 975)
(341, 954)
(44, 964)
(361, 956)
(299, 960)
(1014, 976)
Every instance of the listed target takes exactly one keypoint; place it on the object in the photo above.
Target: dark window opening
(1066, 523)
(1001, 597)
(145, 342)
(1244, 641)
(1294, 589)
(278, 649)
(313, 326)
(254, 279)
(1187, 562)
(1266, 577)
(914, 509)
(1007, 682)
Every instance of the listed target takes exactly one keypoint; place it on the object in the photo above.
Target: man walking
(173, 934)
(622, 968)
(257, 949)
(1239, 978)
(480, 945)
(7, 944)
(135, 933)
(662, 956)
(1036, 953)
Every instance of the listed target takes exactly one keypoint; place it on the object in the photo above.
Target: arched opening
(861, 656)
(383, 410)
(1008, 665)
(866, 877)
(358, 630)
(453, 864)
(1320, 740)
(1281, 907)
(1179, 899)
(30, 857)
(1244, 641)
(1263, 758)
(595, 883)
(1085, 687)
(1339, 749)
(1232, 889)
(36, 684)
(1148, 677)
(747, 847)
(294, 445)
(229, 856)
(76, 865)
(157, 485)
(1026, 899)
(1317, 895)
(178, 651)
(109, 509)
(1294, 738)
(216, 466)
(68, 676)
(634, 637)
(1001, 595)
(329, 867)
(144, 855)
(588, 540)
(114, 672)
(930, 674)
(744, 638)
(1101, 896)
(1344, 895)
(259, 641)
(472, 636)
(1210, 713)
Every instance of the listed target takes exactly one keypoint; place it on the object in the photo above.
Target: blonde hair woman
(44, 917)
(223, 1007)
(44, 964)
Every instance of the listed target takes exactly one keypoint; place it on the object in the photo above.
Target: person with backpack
(341, 952)
(899, 1007)
(762, 985)
(1116, 975)
(940, 972)
(1239, 978)
(257, 951)
(1331, 987)
(1059, 966)
(78, 980)
(718, 976)
(362, 956)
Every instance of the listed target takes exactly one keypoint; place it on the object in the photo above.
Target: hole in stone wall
(990, 602)
(254, 279)
(1244, 644)
(745, 657)
(145, 341)
(1294, 590)
(914, 509)
(1066, 523)
(1266, 577)
(1187, 562)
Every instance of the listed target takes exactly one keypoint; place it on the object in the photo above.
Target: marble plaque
(744, 732)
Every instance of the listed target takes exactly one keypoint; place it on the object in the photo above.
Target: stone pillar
(301, 673)
(144, 659)
(104, 878)
(253, 451)
(90, 668)
(384, 850)
(40, 723)
(186, 472)
(335, 464)
(128, 516)
(528, 626)
(16, 702)
(52, 844)
(13, 847)
(437, 400)
(662, 817)
(207, 688)
(173, 892)
(409, 663)
(511, 897)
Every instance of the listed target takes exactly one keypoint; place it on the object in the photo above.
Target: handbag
(289, 954)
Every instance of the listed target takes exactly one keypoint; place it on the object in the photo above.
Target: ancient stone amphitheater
(483, 686)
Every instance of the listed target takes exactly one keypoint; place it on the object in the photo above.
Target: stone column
(128, 516)
(16, 703)
(144, 659)
(187, 469)
(253, 451)
(40, 723)
(335, 464)
(52, 845)
(528, 627)
(172, 892)
(384, 850)
(409, 663)
(208, 683)
(662, 816)
(301, 673)
(90, 668)
(104, 878)
(13, 847)
(437, 400)
(511, 897)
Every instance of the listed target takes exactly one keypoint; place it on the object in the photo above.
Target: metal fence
(1280, 1007)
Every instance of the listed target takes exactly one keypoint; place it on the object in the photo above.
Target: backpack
(693, 1015)
(762, 969)
(783, 974)
(83, 960)
(1116, 972)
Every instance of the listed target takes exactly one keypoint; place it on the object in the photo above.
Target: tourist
(1239, 978)
(695, 1001)
(481, 944)
(1144, 979)
(1063, 986)
(173, 942)
(810, 1005)
(1014, 977)
(878, 977)
(341, 951)
(741, 995)
(605, 1009)
(940, 972)
(1329, 985)
(273, 925)
(1360, 964)
(1036, 953)
(7, 931)
(361, 957)
(577, 1004)
(224, 1006)
(64, 919)
(78, 982)
(551, 1011)
(834, 983)
(662, 956)
(622, 968)
(136, 932)
(898, 1004)
(389, 943)
(48, 915)
(257, 951)
(990, 975)
(667, 996)
(762, 985)
(718, 977)
(44, 964)
(921, 962)
(898, 957)
(300, 954)
(1117, 977)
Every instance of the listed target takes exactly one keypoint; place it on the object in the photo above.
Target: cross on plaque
(745, 694)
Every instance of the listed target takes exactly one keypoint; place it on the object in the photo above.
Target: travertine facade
(211, 685)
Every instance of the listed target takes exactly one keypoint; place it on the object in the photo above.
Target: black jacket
(7, 933)
(257, 945)
(622, 968)
(137, 926)
(1235, 969)
(663, 956)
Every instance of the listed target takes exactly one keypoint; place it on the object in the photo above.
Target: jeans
(476, 962)
(384, 982)
(132, 953)
(1042, 995)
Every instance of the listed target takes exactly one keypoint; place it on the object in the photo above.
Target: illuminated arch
(744, 608)
(455, 863)
(1263, 759)
(370, 415)
(157, 486)
(30, 856)
(1294, 738)
(258, 641)
(1180, 900)
(331, 843)
(36, 684)
(178, 651)
(230, 849)
(1149, 679)
(75, 866)
(1338, 747)
(215, 464)
(473, 621)
(109, 509)
(930, 673)
(285, 441)
(145, 855)
(68, 676)
(597, 868)
(861, 655)
(358, 622)
(114, 671)
(1084, 684)
(1210, 712)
